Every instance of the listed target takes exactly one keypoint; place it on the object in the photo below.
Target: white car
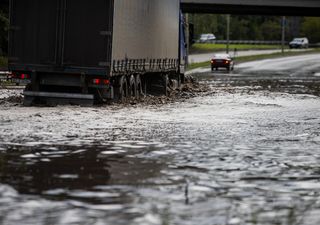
(207, 38)
(299, 43)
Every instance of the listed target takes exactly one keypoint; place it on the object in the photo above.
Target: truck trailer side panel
(145, 30)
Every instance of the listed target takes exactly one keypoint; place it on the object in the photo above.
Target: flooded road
(245, 152)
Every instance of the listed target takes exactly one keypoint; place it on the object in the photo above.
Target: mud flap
(158, 85)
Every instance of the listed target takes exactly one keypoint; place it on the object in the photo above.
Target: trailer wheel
(165, 83)
(132, 87)
(121, 90)
(139, 87)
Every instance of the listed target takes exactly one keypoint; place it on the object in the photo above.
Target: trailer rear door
(88, 33)
(33, 32)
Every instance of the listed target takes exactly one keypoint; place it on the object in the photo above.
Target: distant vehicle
(299, 43)
(207, 38)
(222, 61)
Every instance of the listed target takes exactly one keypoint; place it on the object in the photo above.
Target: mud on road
(236, 149)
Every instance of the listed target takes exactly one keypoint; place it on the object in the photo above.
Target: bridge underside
(250, 9)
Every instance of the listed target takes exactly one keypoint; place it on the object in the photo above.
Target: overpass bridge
(253, 7)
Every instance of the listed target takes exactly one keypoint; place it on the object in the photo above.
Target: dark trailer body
(89, 50)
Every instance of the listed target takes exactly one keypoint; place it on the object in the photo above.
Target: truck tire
(132, 87)
(165, 83)
(121, 90)
(139, 92)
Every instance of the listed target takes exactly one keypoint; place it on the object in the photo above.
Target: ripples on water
(236, 157)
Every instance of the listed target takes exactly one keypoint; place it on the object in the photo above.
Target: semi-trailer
(81, 51)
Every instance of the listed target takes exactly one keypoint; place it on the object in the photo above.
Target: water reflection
(68, 170)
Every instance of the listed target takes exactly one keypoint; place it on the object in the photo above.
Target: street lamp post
(228, 33)
(283, 35)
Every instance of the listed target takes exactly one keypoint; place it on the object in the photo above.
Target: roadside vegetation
(242, 59)
(259, 28)
(208, 47)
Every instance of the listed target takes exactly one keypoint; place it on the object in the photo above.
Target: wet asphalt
(247, 151)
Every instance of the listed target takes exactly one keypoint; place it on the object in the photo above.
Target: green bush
(202, 48)
(311, 29)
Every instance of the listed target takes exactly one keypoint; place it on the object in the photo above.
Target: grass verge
(3, 63)
(204, 48)
(242, 59)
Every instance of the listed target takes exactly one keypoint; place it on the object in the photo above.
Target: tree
(311, 29)
(271, 30)
(243, 27)
(205, 23)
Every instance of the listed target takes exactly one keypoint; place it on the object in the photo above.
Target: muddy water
(238, 154)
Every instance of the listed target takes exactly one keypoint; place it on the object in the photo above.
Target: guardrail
(317, 45)
(251, 42)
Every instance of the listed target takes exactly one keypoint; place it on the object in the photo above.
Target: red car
(222, 61)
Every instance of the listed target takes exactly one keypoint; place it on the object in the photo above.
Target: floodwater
(245, 152)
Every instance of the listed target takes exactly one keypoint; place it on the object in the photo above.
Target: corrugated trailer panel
(145, 30)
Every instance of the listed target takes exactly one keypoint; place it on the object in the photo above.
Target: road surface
(246, 151)
(300, 65)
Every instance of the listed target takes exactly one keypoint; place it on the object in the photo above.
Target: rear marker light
(101, 82)
(96, 81)
(106, 82)
(24, 76)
